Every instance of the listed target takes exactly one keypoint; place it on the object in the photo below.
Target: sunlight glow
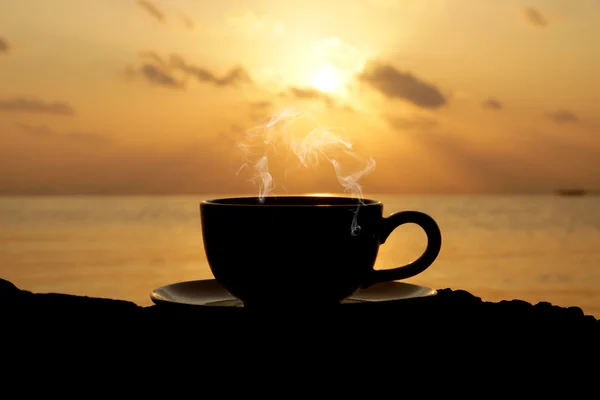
(327, 79)
(321, 194)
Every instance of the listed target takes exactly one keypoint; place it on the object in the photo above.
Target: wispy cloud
(176, 72)
(535, 17)
(261, 105)
(258, 110)
(492, 104)
(564, 117)
(34, 105)
(233, 77)
(4, 46)
(187, 21)
(152, 10)
(302, 93)
(250, 23)
(395, 84)
(155, 74)
(43, 131)
(155, 71)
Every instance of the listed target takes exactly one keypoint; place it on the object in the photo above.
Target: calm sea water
(535, 248)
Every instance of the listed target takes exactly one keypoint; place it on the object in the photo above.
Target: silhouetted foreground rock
(452, 324)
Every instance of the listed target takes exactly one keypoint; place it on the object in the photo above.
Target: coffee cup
(304, 250)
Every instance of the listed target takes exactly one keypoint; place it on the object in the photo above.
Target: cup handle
(434, 244)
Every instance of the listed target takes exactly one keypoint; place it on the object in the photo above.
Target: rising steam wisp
(318, 143)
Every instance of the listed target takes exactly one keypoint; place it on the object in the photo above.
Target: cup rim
(253, 201)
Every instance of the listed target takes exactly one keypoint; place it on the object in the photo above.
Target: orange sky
(155, 96)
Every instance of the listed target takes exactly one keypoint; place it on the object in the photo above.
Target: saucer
(209, 293)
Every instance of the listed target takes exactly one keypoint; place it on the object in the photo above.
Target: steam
(320, 143)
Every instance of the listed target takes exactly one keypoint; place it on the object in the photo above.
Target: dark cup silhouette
(304, 250)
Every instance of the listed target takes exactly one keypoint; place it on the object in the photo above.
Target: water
(534, 248)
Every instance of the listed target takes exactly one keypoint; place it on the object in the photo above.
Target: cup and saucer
(209, 293)
(300, 251)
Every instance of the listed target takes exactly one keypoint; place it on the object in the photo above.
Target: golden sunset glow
(446, 96)
(327, 79)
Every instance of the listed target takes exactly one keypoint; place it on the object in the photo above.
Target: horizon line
(557, 192)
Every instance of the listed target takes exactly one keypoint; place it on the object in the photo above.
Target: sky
(286, 96)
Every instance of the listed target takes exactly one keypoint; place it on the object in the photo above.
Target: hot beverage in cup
(304, 250)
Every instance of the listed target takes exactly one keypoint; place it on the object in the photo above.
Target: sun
(327, 79)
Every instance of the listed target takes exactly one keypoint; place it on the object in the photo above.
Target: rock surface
(63, 343)
(452, 324)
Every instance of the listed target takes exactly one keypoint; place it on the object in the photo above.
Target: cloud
(157, 75)
(300, 93)
(33, 105)
(309, 94)
(564, 117)
(233, 77)
(176, 72)
(261, 105)
(43, 131)
(415, 123)
(535, 17)
(349, 109)
(493, 104)
(187, 21)
(152, 10)
(249, 22)
(4, 46)
(259, 110)
(155, 71)
(161, 16)
(395, 84)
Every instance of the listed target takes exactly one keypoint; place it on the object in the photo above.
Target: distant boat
(571, 192)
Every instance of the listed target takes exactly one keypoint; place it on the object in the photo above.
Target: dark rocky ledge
(452, 324)
(448, 306)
